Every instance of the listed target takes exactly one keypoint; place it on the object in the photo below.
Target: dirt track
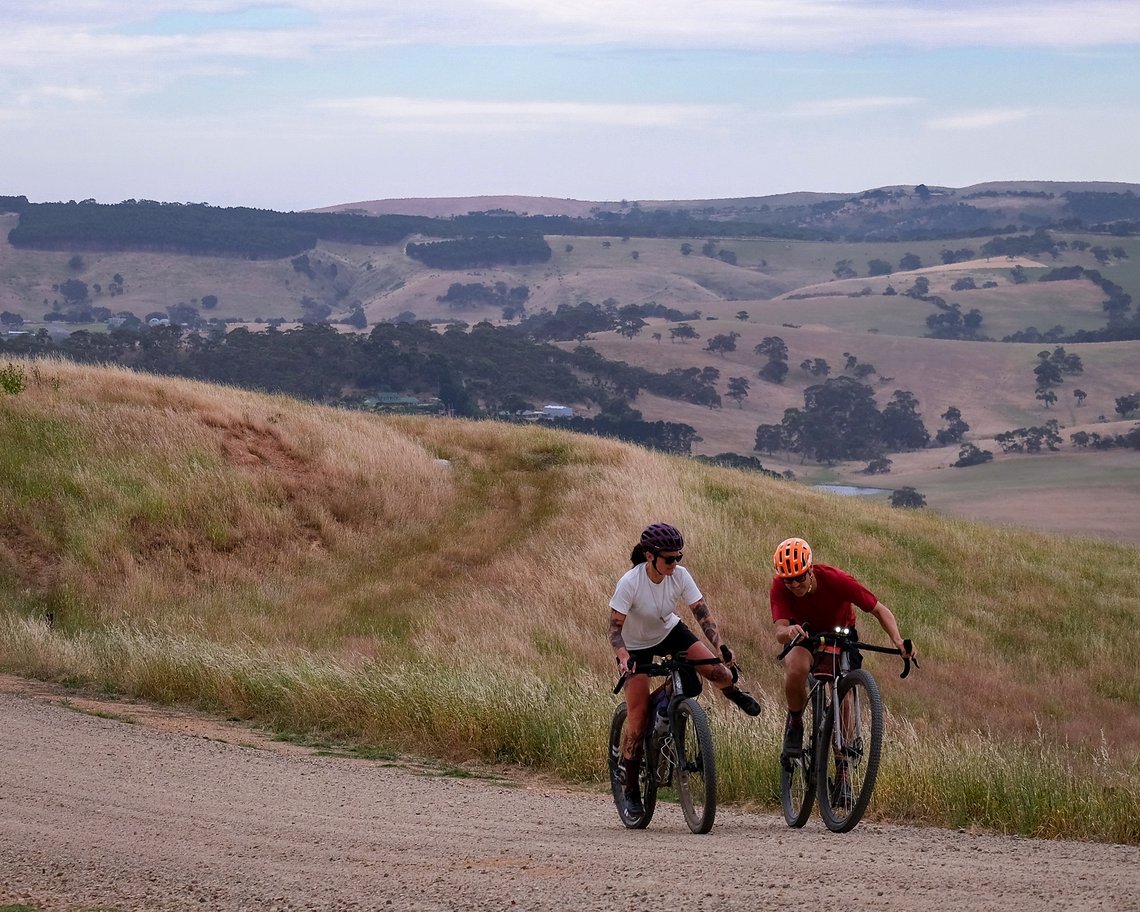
(180, 811)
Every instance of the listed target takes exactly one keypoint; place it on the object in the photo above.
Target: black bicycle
(677, 750)
(840, 759)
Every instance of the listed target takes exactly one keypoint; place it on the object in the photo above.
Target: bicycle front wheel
(696, 768)
(849, 756)
(647, 781)
(797, 774)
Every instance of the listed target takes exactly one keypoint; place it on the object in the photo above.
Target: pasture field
(439, 587)
(777, 287)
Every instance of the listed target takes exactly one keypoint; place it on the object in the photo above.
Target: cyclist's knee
(797, 677)
(719, 675)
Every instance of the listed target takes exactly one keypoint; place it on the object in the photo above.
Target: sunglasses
(670, 558)
(793, 580)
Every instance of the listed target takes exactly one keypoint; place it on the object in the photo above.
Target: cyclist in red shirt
(809, 596)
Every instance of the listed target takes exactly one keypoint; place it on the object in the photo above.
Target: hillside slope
(760, 287)
(168, 509)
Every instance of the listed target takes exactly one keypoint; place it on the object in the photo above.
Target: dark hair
(638, 555)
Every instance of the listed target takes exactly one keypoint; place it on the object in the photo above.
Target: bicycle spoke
(797, 781)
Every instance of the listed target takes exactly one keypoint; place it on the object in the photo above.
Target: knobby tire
(862, 732)
(797, 774)
(647, 779)
(696, 766)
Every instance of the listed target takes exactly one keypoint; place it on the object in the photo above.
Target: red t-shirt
(830, 604)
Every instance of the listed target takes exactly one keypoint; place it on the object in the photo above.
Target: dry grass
(327, 571)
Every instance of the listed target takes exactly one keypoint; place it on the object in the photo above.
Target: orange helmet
(792, 557)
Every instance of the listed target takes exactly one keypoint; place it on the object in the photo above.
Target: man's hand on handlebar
(624, 661)
(791, 633)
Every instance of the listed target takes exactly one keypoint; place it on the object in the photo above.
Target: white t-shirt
(649, 607)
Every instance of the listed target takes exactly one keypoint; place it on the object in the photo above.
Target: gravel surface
(125, 806)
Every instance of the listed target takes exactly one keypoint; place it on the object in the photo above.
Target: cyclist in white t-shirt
(644, 623)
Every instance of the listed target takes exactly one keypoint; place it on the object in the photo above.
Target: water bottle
(661, 713)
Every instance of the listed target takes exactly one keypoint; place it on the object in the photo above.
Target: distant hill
(882, 212)
(832, 275)
(450, 206)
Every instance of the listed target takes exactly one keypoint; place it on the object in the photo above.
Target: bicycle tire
(696, 769)
(647, 779)
(862, 733)
(797, 774)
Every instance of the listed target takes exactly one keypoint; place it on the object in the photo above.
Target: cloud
(453, 116)
(836, 107)
(777, 25)
(315, 26)
(978, 120)
(69, 93)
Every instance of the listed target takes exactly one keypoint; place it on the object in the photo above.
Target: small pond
(849, 490)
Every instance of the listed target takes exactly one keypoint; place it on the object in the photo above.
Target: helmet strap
(653, 567)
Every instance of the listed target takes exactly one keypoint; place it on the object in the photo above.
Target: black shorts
(855, 655)
(676, 641)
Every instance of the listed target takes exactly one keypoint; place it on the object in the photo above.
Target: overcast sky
(306, 104)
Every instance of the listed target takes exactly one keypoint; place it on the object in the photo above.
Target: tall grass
(441, 586)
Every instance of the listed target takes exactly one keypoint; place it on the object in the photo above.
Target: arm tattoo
(704, 618)
(616, 640)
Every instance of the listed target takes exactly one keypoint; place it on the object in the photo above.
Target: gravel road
(126, 806)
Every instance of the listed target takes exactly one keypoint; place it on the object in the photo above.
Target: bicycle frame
(677, 747)
(840, 761)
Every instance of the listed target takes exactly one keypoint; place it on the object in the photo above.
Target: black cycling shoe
(633, 805)
(744, 700)
(793, 741)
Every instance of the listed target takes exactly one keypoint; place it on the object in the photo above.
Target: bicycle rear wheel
(696, 768)
(849, 759)
(647, 779)
(797, 774)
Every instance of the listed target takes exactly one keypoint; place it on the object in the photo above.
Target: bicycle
(840, 761)
(677, 750)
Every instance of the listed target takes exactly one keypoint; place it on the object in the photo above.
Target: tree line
(255, 233)
(489, 371)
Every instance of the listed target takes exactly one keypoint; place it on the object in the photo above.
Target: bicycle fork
(846, 743)
(847, 735)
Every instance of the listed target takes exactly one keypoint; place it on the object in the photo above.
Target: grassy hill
(780, 287)
(440, 587)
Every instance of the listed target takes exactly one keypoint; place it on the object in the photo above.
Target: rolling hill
(438, 586)
(756, 287)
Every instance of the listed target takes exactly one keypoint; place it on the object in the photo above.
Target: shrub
(13, 380)
(907, 497)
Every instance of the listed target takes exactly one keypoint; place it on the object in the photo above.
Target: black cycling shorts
(676, 641)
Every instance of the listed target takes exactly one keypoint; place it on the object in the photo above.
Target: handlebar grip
(728, 657)
(908, 646)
